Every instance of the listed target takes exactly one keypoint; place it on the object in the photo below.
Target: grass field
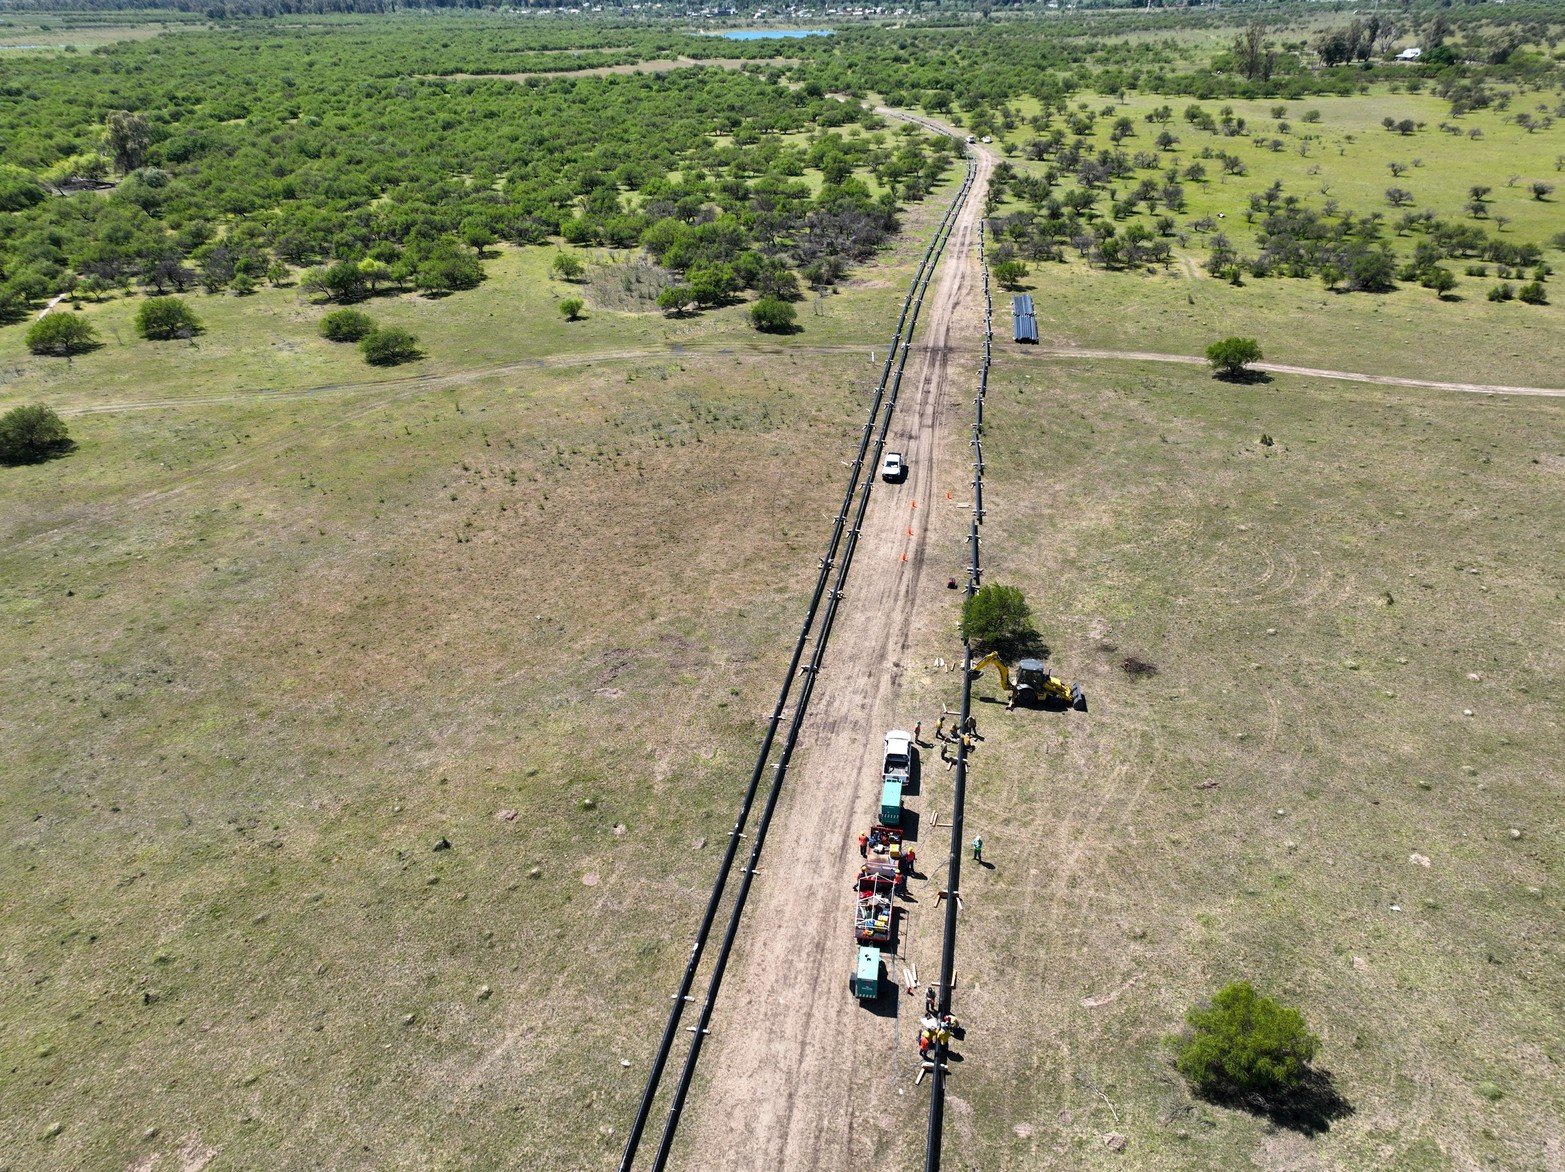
(1407, 333)
(26, 34)
(1341, 784)
(264, 655)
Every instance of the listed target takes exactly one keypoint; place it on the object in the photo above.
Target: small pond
(766, 34)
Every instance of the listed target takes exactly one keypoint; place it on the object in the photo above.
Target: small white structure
(1410, 54)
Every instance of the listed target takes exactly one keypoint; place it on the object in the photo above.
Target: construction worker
(940, 729)
(930, 1002)
(971, 727)
(863, 845)
(918, 730)
(978, 848)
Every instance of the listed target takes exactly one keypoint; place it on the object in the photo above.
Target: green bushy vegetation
(1230, 356)
(159, 319)
(32, 433)
(323, 153)
(998, 618)
(61, 334)
(389, 346)
(346, 325)
(1245, 1043)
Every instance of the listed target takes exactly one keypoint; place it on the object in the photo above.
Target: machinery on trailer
(1032, 684)
(884, 841)
(873, 910)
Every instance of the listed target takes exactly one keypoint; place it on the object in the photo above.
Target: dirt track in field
(790, 1049)
(1387, 380)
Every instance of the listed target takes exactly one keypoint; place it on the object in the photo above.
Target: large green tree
(1231, 357)
(997, 618)
(61, 335)
(160, 318)
(32, 433)
(1244, 1043)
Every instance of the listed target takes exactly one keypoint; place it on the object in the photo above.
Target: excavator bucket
(1078, 697)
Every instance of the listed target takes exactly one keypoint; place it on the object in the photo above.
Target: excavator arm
(993, 660)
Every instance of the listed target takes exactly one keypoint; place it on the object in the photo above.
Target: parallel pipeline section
(818, 621)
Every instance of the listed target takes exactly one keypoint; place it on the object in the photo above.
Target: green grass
(1407, 333)
(1323, 613)
(262, 654)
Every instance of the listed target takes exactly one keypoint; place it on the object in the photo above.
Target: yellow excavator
(1033, 684)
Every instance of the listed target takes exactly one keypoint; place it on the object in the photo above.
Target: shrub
(389, 346)
(61, 334)
(1009, 273)
(1245, 1044)
(347, 325)
(1502, 292)
(567, 265)
(1442, 281)
(1533, 293)
(32, 433)
(1231, 356)
(571, 307)
(162, 318)
(675, 298)
(772, 315)
(997, 618)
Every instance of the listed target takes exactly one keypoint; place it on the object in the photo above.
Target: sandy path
(790, 1049)
(1387, 380)
(436, 381)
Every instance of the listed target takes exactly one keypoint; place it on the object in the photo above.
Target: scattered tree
(162, 318)
(1010, 273)
(1231, 357)
(1542, 191)
(61, 335)
(32, 433)
(571, 307)
(1245, 1044)
(998, 618)
(389, 347)
(127, 137)
(1533, 293)
(568, 266)
(1442, 281)
(675, 299)
(1252, 56)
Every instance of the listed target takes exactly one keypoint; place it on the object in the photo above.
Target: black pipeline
(937, 1090)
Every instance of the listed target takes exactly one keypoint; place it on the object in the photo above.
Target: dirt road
(790, 1050)
(1387, 380)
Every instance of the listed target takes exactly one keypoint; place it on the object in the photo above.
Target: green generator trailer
(866, 974)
